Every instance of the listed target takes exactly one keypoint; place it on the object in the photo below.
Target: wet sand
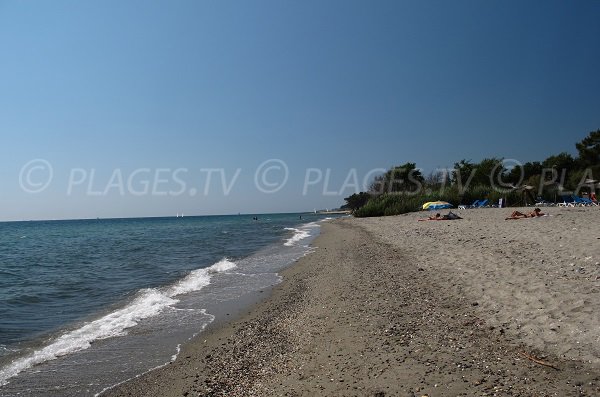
(392, 306)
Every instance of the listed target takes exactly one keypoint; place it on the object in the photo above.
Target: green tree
(556, 169)
(488, 172)
(403, 178)
(589, 149)
(356, 201)
(522, 174)
(562, 161)
(463, 172)
(485, 173)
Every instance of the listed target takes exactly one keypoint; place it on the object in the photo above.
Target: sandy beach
(395, 307)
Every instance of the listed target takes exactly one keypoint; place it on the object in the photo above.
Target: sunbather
(519, 215)
(450, 216)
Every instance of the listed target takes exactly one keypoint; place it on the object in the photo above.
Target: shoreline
(143, 325)
(367, 313)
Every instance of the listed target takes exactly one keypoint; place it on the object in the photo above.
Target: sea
(87, 304)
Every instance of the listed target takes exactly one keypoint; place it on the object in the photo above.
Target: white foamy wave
(299, 234)
(221, 266)
(173, 357)
(177, 351)
(199, 278)
(192, 282)
(148, 303)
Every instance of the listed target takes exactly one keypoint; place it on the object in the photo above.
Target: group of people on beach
(450, 216)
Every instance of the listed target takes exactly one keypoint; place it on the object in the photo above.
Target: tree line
(404, 188)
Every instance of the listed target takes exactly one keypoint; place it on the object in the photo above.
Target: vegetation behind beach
(404, 188)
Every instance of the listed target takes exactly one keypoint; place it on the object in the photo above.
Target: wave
(173, 358)
(199, 278)
(148, 303)
(300, 234)
(177, 351)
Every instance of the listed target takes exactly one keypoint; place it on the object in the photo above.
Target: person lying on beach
(450, 216)
(519, 215)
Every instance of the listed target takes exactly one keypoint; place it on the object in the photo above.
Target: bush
(402, 203)
(390, 204)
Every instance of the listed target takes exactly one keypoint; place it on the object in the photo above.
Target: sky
(153, 108)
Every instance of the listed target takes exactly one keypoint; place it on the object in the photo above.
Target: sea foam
(299, 234)
(199, 278)
(147, 303)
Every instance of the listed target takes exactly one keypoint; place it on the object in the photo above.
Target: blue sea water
(85, 304)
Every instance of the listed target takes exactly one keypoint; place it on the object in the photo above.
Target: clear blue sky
(124, 85)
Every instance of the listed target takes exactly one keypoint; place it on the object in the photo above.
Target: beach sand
(395, 307)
